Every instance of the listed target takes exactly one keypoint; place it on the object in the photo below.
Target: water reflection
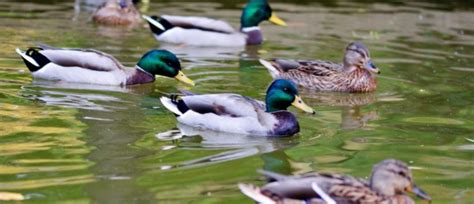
(110, 129)
(353, 115)
(193, 53)
(213, 56)
(73, 95)
(233, 146)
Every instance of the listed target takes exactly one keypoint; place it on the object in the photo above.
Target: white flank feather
(55, 72)
(170, 105)
(196, 37)
(26, 57)
(254, 193)
(154, 22)
(273, 71)
(322, 194)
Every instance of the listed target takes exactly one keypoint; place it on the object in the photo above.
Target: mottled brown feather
(112, 14)
(327, 76)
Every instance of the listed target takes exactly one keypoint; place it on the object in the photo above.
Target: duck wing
(84, 58)
(341, 188)
(201, 23)
(312, 67)
(224, 104)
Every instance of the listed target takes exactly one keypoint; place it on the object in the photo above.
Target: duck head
(257, 11)
(357, 56)
(281, 94)
(392, 177)
(164, 63)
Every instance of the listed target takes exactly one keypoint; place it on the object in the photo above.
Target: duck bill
(276, 20)
(372, 68)
(183, 78)
(298, 103)
(418, 192)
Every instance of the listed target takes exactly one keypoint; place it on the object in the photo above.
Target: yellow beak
(276, 20)
(183, 78)
(298, 103)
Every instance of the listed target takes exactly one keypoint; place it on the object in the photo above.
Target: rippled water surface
(73, 143)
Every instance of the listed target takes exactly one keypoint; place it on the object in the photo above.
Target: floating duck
(239, 114)
(357, 73)
(389, 181)
(95, 67)
(117, 12)
(203, 31)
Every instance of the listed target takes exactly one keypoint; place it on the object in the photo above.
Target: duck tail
(158, 26)
(254, 192)
(175, 105)
(274, 71)
(33, 59)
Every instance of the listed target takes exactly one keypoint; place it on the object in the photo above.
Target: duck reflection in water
(207, 56)
(82, 96)
(352, 115)
(109, 115)
(234, 146)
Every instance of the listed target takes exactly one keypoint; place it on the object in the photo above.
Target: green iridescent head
(257, 11)
(164, 63)
(281, 94)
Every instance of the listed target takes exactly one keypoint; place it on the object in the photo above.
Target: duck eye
(285, 89)
(401, 173)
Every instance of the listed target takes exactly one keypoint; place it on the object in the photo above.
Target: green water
(71, 143)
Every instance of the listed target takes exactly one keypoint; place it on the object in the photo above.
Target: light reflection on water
(85, 143)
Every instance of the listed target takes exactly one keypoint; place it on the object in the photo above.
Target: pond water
(73, 143)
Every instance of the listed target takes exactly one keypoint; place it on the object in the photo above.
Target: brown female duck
(357, 73)
(389, 181)
(117, 12)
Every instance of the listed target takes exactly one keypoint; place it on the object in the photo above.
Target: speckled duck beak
(298, 103)
(183, 78)
(276, 20)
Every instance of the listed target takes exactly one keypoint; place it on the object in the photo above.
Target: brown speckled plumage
(392, 175)
(113, 14)
(355, 74)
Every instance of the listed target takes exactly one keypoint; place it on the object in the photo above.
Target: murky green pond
(71, 143)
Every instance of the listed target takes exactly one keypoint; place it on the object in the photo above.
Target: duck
(203, 31)
(356, 74)
(117, 12)
(233, 113)
(91, 66)
(389, 181)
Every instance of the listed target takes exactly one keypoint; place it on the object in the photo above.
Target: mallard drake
(357, 73)
(389, 181)
(95, 67)
(202, 31)
(239, 114)
(117, 12)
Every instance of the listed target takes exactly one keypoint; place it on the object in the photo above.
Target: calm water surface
(72, 143)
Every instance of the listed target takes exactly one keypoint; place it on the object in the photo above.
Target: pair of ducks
(388, 183)
(356, 73)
